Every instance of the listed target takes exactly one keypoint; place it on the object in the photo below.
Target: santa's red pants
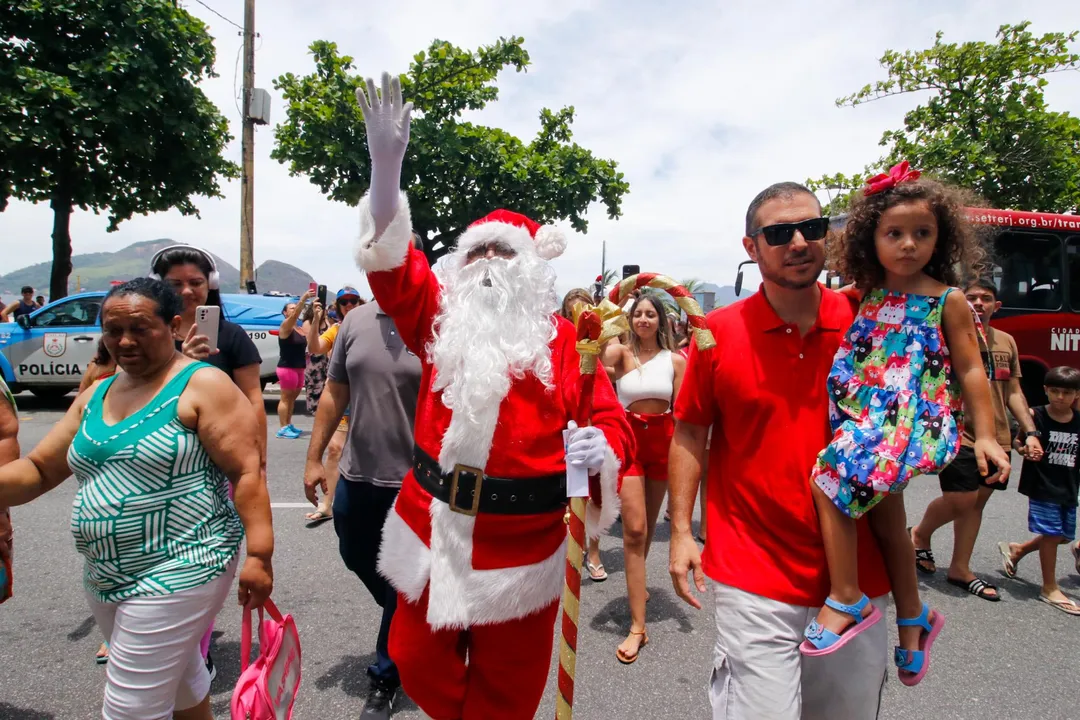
(505, 675)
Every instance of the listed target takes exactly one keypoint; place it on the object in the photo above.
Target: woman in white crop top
(647, 375)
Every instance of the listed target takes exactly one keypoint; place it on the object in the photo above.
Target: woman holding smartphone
(292, 362)
(193, 274)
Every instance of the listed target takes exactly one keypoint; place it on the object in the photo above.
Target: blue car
(47, 351)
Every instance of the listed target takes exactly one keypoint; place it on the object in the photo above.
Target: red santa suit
(478, 594)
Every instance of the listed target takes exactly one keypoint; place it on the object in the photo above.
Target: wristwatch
(1033, 434)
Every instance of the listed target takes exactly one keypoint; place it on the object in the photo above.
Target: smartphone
(207, 320)
(630, 270)
(321, 295)
(313, 287)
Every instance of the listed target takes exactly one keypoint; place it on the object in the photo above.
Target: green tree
(455, 171)
(609, 279)
(985, 125)
(692, 285)
(100, 109)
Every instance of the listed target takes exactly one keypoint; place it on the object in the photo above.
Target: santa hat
(517, 231)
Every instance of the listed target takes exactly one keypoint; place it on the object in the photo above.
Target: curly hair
(959, 252)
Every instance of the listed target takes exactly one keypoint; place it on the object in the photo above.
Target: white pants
(759, 674)
(155, 666)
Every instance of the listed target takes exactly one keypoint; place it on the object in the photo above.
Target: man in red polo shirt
(762, 389)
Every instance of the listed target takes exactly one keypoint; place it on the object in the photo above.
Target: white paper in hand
(577, 476)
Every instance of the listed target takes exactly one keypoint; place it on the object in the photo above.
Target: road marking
(292, 505)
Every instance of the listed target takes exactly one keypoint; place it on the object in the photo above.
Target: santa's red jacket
(487, 568)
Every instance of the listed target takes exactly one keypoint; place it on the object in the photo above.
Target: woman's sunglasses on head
(782, 233)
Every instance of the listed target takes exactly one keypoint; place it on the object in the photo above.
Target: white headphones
(214, 281)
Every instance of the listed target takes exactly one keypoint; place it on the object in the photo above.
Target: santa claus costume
(476, 542)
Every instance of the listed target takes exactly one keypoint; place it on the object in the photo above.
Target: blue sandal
(911, 665)
(822, 641)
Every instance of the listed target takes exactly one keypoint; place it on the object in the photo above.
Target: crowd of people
(459, 409)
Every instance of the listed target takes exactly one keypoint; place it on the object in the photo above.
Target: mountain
(282, 277)
(95, 271)
(725, 294)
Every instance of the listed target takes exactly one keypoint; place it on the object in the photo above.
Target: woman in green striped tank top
(153, 449)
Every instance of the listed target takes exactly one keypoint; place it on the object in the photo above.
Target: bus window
(1072, 246)
(1031, 271)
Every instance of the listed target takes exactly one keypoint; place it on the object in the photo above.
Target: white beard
(494, 325)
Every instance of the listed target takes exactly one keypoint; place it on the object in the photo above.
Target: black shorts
(962, 474)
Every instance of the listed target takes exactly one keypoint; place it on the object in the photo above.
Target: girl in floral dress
(895, 388)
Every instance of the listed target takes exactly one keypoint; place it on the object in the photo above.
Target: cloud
(701, 103)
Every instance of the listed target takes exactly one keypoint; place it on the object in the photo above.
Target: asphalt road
(1015, 659)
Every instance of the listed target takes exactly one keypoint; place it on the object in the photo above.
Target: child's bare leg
(888, 521)
(1048, 547)
(1019, 550)
(841, 552)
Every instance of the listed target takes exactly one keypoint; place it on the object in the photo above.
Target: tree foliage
(100, 109)
(986, 125)
(454, 171)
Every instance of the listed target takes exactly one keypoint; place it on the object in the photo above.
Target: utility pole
(247, 150)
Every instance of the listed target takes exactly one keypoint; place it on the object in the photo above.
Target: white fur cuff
(387, 251)
(599, 519)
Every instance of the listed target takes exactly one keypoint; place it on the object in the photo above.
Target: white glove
(586, 447)
(387, 121)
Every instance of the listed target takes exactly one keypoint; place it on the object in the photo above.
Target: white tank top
(654, 380)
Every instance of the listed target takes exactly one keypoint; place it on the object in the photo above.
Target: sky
(702, 104)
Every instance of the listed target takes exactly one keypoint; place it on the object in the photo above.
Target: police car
(47, 351)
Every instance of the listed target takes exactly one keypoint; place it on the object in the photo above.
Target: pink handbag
(267, 688)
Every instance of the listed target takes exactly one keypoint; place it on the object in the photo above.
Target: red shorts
(653, 434)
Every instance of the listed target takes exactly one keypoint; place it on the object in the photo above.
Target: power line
(239, 27)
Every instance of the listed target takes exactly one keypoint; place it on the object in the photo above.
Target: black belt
(469, 491)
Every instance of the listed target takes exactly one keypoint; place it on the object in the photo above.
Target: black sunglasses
(345, 301)
(781, 234)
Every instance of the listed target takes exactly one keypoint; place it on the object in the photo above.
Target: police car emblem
(54, 344)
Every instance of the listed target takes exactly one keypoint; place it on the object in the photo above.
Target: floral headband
(897, 174)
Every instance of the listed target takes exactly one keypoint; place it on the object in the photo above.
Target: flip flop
(822, 641)
(597, 573)
(102, 659)
(923, 555)
(1007, 563)
(977, 587)
(911, 665)
(1066, 606)
(631, 659)
(318, 517)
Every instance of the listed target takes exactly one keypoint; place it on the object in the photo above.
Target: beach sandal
(1066, 606)
(978, 588)
(597, 573)
(924, 555)
(102, 656)
(318, 517)
(911, 665)
(631, 659)
(822, 641)
(1007, 563)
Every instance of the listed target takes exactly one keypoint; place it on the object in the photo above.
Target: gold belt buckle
(479, 475)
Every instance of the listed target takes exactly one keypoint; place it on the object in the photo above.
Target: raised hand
(387, 120)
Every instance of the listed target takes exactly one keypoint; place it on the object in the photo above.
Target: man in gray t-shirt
(373, 373)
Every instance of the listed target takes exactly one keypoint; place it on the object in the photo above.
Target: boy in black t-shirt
(1052, 485)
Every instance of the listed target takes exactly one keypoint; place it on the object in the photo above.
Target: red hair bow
(887, 181)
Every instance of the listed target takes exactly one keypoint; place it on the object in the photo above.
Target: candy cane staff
(476, 540)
